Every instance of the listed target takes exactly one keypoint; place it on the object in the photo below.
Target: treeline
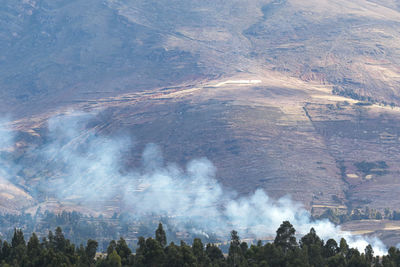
(56, 250)
(338, 217)
(346, 92)
(78, 227)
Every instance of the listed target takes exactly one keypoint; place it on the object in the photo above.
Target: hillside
(294, 97)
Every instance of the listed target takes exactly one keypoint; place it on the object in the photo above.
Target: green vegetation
(338, 217)
(56, 250)
(78, 228)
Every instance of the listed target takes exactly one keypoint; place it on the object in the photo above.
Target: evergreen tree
(369, 254)
(140, 252)
(114, 260)
(6, 251)
(90, 250)
(33, 247)
(18, 247)
(235, 255)
(331, 248)
(111, 247)
(274, 255)
(83, 259)
(50, 243)
(123, 251)
(214, 253)
(313, 245)
(357, 260)
(297, 257)
(352, 252)
(18, 238)
(154, 254)
(311, 239)
(394, 256)
(336, 261)
(188, 257)
(60, 243)
(343, 247)
(161, 237)
(174, 257)
(285, 237)
(58, 251)
(198, 251)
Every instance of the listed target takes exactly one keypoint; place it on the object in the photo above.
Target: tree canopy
(311, 251)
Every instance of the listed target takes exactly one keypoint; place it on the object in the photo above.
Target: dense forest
(285, 250)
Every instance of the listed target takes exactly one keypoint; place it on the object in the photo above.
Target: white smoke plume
(7, 167)
(92, 173)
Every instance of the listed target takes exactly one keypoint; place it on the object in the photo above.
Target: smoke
(92, 174)
(89, 163)
(8, 169)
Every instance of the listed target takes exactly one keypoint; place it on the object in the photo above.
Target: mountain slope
(267, 90)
